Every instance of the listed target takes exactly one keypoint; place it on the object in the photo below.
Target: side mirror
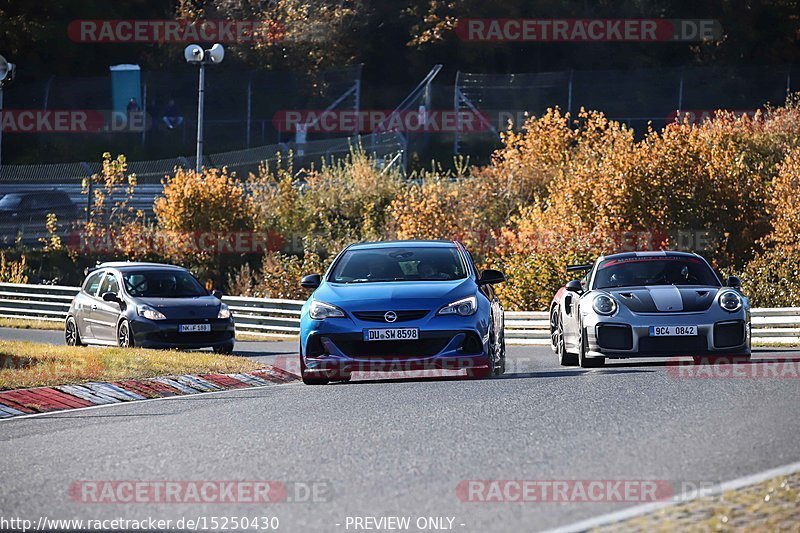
(733, 282)
(574, 286)
(490, 277)
(216, 293)
(312, 281)
(111, 297)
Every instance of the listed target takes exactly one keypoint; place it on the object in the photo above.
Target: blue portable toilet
(125, 84)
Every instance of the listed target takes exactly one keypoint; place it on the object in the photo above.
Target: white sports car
(649, 304)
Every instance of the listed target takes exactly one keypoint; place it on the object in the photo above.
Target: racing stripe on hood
(666, 298)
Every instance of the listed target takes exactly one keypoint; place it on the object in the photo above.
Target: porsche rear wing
(579, 268)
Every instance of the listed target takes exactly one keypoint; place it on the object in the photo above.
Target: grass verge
(773, 505)
(29, 364)
(24, 323)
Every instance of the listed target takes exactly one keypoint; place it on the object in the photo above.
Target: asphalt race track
(401, 447)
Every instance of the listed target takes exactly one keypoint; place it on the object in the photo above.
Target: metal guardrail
(274, 318)
(263, 317)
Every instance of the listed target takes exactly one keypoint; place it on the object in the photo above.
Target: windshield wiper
(373, 280)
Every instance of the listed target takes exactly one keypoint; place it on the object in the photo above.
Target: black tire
(314, 381)
(557, 339)
(308, 380)
(588, 362)
(501, 367)
(71, 334)
(124, 335)
(497, 362)
(225, 349)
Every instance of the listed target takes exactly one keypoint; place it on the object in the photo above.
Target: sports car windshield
(643, 271)
(10, 201)
(399, 264)
(162, 284)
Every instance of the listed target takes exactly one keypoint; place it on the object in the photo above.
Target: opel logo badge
(390, 316)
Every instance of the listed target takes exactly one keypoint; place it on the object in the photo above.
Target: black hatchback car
(18, 209)
(149, 305)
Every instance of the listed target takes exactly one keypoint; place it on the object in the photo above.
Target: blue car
(401, 306)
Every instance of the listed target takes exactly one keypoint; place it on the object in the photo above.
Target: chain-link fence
(28, 193)
(636, 97)
(240, 111)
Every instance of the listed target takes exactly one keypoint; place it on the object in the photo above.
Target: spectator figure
(172, 116)
(133, 114)
(133, 106)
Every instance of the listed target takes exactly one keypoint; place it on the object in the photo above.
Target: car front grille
(195, 337)
(354, 345)
(379, 316)
(673, 345)
(614, 336)
(729, 334)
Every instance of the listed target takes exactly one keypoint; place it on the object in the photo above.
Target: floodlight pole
(1, 126)
(201, 92)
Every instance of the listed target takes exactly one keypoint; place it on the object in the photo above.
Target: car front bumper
(716, 335)
(334, 346)
(165, 334)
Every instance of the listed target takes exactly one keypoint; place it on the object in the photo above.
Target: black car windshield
(433, 263)
(10, 201)
(664, 270)
(162, 284)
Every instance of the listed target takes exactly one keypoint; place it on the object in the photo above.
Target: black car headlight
(224, 311)
(149, 313)
(730, 301)
(604, 304)
(464, 307)
(321, 310)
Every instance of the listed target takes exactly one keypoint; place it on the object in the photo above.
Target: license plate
(391, 334)
(673, 331)
(193, 328)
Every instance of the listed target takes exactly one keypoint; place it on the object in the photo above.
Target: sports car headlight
(463, 307)
(224, 311)
(150, 313)
(604, 304)
(730, 301)
(320, 310)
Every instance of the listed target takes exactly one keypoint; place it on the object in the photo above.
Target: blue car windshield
(644, 271)
(162, 284)
(399, 264)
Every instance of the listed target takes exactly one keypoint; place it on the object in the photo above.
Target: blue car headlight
(320, 310)
(464, 307)
(224, 311)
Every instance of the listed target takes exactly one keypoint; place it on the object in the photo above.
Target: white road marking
(647, 508)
